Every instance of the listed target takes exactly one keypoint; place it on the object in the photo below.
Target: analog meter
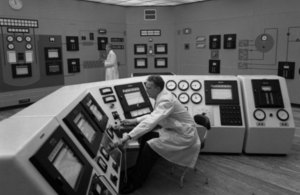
(28, 38)
(259, 115)
(282, 115)
(195, 85)
(196, 98)
(19, 38)
(171, 85)
(9, 38)
(183, 85)
(183, 98)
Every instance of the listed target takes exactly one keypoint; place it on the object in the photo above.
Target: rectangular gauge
(109, 99)
(106, 90)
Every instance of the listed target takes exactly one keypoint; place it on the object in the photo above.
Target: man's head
(154, 85)
(108, 47)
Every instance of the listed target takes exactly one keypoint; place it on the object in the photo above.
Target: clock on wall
(15, 4)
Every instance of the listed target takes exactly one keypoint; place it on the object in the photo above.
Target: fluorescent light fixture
(146, 2)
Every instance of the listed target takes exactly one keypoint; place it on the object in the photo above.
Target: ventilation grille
(150, 14)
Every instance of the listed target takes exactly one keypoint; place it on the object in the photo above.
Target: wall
(76, 18)
(165, 22)
(248, 20)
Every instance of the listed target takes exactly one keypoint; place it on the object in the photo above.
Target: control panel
(270, 128)
(18, 51)
(67, 148)
(47, 160)
(89, 124)
(219, 98)
(28, 60)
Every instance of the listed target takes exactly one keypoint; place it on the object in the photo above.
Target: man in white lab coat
(176, 140)
(111, 64)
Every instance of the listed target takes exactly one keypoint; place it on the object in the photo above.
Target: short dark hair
(157, 80)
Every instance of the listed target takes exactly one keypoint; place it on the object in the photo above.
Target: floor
(233, 174)
(227, 174)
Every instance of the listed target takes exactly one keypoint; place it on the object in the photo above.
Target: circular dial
(19, 38)
(28, 46)
(10, 46)
(282, 115)
(259, 115)
(28, 38)
(171, 85)
(9, 38)
(183, 98)
(183, 85)
(195, 85)
(196, 98)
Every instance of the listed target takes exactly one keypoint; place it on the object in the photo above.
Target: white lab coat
(111, 66)
(178, 139)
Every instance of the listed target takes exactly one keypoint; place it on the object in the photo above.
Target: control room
(144, 97)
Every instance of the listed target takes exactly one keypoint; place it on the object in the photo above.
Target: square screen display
(221, 94)
(85, 127)
(134, 98)
(66, 163)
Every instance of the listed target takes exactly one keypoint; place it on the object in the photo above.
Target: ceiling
(146, 2)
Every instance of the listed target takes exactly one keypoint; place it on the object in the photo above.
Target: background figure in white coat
(169, 132)
(111, 64)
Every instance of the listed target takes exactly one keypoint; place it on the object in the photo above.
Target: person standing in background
(111, 64)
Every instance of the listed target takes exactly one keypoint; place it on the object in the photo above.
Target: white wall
(246, 18)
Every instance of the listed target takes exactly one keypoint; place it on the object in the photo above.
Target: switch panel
(215, 42)
(286, 69)
(72, 43)
(214, 66)
(229, 41)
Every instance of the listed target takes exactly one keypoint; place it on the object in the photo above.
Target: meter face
(196, 98)
(259, 115)
(196, 85)
(183, 85)
(171, 85)
(183, 98)
(282, 115)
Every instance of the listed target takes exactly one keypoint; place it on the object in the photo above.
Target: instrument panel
(183, 86)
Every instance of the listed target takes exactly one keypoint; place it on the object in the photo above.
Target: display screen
(54, 68)
(140, 49)
(141, 62)
(84, 126)
(22, 70)
(221, 93)
(133, 96)
(93, 108)
(161, 62)
(161, 48)
(53, 53)
(66, 163)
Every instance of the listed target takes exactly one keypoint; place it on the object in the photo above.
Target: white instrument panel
(269, 129)
(190, 91)
(270, 122)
